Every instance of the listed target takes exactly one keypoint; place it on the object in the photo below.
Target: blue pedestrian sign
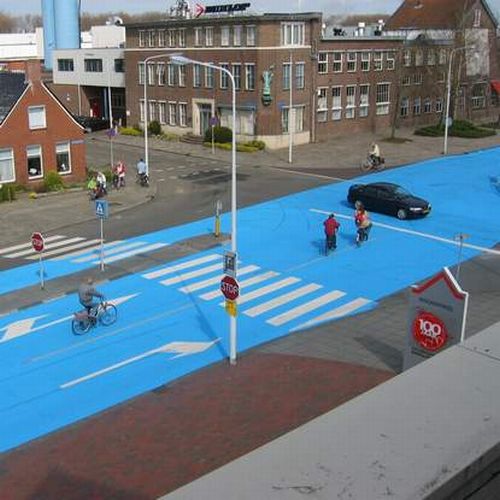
(101, 209)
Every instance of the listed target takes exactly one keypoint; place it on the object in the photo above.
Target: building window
(181, 75)
(250, 76)
(382, 98)
(477, 18)
(352, 59)
(322, 63)
(285, 116)
(237, 36)
(93, 65)
(7, 171)
(419, 57)
(391, 61)
(365, 61)
(378, 61)
(182, 114)
(170, 75)
(209, 77)
(417, 106)
(209, 36)
(237, 75)
(224, 36)
(478, 97)
(196, 75)
(364, 100)
(405, 104)
(141, 110)
(162, 112)
(119, 65)
(171, 38)
(431, 57)
(35, 166)
(407, 58)
(406, 80)
(151, 38)
(296, 116)
(427, 105)
(172, 113)
(322, 110)
(292, 34)
(442, 56)
(224, 77)
(439, 105)
(299, 75)
(337, 62)
(251, 35)
(151, 73)
(161, 38)
(36, 117)
(336, 103)
(152, 111)
(63, 158)
(418, 79)
(65, 65)
(286, 76)
(197, 36)
(142, 38)
(350, 109)
(161, 73)
(181, 37)
(141, 73)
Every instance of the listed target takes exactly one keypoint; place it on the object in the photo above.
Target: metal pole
(448, 96)
(42, 280)
(110, 112)
(291, 115)
(102, 244)
(460, 249)
(146, 143)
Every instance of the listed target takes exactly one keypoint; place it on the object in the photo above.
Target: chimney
(33, 70)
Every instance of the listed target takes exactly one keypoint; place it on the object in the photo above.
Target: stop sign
(230, 288)
(37, 242)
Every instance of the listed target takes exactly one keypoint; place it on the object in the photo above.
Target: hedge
(459, 128)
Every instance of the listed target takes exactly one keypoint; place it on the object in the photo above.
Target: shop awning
(495, 85)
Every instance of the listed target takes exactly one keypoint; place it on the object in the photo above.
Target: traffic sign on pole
(37, 242)
(101, 209)
(230, 288)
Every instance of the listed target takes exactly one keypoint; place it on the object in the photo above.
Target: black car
(92, 123)
(388, 198)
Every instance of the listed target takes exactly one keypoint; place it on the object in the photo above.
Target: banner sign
(436, 319)
(200, 9)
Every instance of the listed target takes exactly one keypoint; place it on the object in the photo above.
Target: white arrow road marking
(24, 327)
(416, 233)
(19, 328)
(181, 348)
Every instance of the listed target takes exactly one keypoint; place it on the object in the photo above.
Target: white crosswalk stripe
(298, 311)
(130, 253)
(27, 245)
(281, 300)
(179, 267)
(58, 251)
(192, 274)
(113, 251)
(57, 244)
(87, 250)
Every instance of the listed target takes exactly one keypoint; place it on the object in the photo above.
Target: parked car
(388, 198)
(92, 123)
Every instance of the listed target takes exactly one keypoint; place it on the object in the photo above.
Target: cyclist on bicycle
(331, 228)
(362, 221)
(374, 154)
(87, 293)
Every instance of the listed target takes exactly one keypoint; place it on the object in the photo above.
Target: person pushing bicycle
(87, 294)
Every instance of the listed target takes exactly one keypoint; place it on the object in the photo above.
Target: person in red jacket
(331, 228)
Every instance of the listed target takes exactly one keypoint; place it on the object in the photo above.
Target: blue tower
(49, 35)
(67, 23)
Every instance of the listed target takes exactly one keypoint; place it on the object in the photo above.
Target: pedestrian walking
(331, 226)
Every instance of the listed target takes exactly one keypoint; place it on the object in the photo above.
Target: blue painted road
(171, 317)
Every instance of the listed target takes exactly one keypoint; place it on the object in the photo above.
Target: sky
(137, 6)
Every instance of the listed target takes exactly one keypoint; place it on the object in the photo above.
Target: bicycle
(104, 313)
(362, 234)
(369, 163)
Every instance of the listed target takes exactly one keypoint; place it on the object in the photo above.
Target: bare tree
(7, 23)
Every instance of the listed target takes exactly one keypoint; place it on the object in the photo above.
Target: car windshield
(399, 191)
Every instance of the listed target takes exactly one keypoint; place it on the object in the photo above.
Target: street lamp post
(146, 139)
(179, 59)
(448, 96)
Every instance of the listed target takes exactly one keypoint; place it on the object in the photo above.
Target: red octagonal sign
(230, 288)
(37, 242)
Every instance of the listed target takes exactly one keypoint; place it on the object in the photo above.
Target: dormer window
(477, 18)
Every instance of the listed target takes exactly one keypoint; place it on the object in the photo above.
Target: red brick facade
(59, 130)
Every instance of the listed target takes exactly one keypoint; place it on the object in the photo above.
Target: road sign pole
(102, 244)
(42, 280)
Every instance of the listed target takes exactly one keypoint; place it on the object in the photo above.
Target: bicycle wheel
(80, 326)
(108, 314)
(365, 165)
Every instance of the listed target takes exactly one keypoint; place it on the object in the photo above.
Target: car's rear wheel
(402, 214)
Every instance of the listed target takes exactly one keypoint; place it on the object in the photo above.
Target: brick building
(37, 134)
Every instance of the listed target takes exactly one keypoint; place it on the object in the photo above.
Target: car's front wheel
(402, 214)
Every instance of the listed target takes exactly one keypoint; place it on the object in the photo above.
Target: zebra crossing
(80, 250)
(278, 299)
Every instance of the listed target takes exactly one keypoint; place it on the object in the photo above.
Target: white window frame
(38, 155)
(322, 63)
(287, 75)
(322, 104)
(431, 57)
(365, 61)
(378, 61)
(197, 36)
(209, 36)
(477, 18)
(209, 77)
(141, 110)
(196, 76)
(160, 70)
(337, 103)
(152, 110)
(292, 34)
(63, 147)
(9, 160)
(352, 61)
(181, 75)
(300, 76)
(251, 35)
(236, 75)
(181, 37)
(37, 117)
(140, 72)
(390, 61)
(364, 100)
(162, 112)
(172, 113)
(171, 37)
(337, 63)
(427, 108)
(161, 38)
(417, 106)
(350, 102)
(224, 78)
(151, 38)
(404, 108)
(407, 58)
(141, 38)
(225, 33)
(382, 107)
(237, 30)
(418, 78)
(419, 57)
(438, 105)
(170, 74)
(151, 73)
(442, 56)
(250, 76)
(182, 107)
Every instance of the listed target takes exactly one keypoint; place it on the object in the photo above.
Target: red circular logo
(429, 331)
